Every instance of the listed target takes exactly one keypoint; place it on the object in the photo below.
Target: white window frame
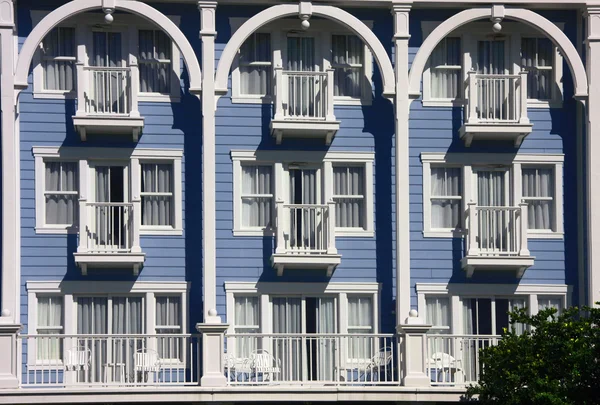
(84, 25)
(428, 230)
(324, 161)
(70, 290)
(469, 35)
(470, 163)
(89, 157)
(428, 99)
(322, 32)
(460, 291)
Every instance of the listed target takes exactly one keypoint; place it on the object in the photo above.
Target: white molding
(105, 287)
(528, 17)
(299, 288)
(301, 156)
(491, 158)
(475, 290)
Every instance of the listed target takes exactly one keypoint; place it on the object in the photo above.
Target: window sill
(158, 98)
(544, 235)
(354, 232)
(47, 230)
(59, 95)
(544, 103)
(252, 99)
(160, 231)
(58, 365)
(444, 103)
(253, 232)
(444, 233)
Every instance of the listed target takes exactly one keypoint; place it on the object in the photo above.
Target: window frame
(129, 26)
(322, 32)
(475, 31)
(471, 163)
(71, 290)
(88, 158)
(428, 200)
(324, 162)
(175, 202)
(429, 100)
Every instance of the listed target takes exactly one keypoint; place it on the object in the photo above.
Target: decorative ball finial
(109, 17)
(212, 312)
(497, 27)
(5, 313)
(413, 313)
(305, 24)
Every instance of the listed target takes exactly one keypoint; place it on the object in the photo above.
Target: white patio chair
(446, 366)
(146, 362)
(262, 363)
(77, 358)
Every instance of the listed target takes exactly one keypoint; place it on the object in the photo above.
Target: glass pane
(446, 181)
(445, 213)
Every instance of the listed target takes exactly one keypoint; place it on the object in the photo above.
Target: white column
(136, 201)
(11, 190)
(213, 353)
(523, 227)
(472, 100)
(279, 92)
(473, 248)
(209, 265)
(593, 151)
(414, 348)
(400, 11)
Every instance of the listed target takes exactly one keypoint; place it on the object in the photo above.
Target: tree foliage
(555, 362)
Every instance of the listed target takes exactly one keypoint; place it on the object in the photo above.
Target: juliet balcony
(107, 101)
(496, 108)
(305, 237)
(304, 105)
(497, 239)
(109, 236)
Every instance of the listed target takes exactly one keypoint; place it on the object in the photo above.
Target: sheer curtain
(492, 223)
(157, 194)
(360, 322)
(58, 59)
(550, 302)
(301, 91)
(255, 65)
(247, 320)
(287, 320)
(257, 196)
(537, 59)
(92, 318)
(446, 69)
(348, 190)
(303, 190)
(109, 87)
(438, 313)
(516, 303)
(155, 61)
(62, 183)
(348, 55)
(49, 322)
(327, 344)
(127, 319)
(446, 195)
(493, 96)
(538, 192)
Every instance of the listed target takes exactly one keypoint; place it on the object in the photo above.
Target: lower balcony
(107, 101)
(305, 238)
(497, 239)
(304, 106)
(109, 236)
(496, 108)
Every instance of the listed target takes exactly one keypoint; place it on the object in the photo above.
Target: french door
(303, 87)
(494, 90)
(307, 214)
(494, 223)
(110, 78)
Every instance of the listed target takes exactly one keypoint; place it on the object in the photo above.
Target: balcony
(496, 108)
(304, 105)
(305, 237)
(497, 239)
(109, 236)
(107, 101)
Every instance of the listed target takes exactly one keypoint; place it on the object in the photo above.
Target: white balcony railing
(497, 99)
(304, 96)
(108, 90)
(109, 360)
(307, 229)
(110, 227)
(453, 360)
(305, 359)
(497, 231)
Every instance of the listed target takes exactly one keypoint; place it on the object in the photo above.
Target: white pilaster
(209, 265)
(414, 347)
(11, 191)
(593, 151)
(400, 11)
(213, 352)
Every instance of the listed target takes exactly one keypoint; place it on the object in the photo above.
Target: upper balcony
(304, 105)
(108, 101)
(306, 237)
(109, 236)
(497, 239)
(496, 108)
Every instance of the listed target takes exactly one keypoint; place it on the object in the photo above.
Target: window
(255, 65)
(61, 193)
(545, 302)
(247, 320)
(49, 322)
(446, 69)
(446, 197)
(168, 321)
(58, 56)
(348, 194)
(538, 192)
(257, 196)
(454, 183)
(438, 313)
(537, 60)
(360, 322)
(155, 61)
(347, 62)
(157, 194)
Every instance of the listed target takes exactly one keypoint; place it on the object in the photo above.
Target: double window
(344, 178)
(450, 181)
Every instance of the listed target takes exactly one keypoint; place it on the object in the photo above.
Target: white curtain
(108, 87)
(303, 100)
(360, 322)
(92, 318)
(127, 319)
(348, 55)
(438, 313)
(109, 219)
(168, 320)
(538, 191)
(59, 74)
(493, 224)
(303, 190)
(446, 69)
(550, 302)
(247, 320)
(49, 322)
(255, 65)
(327, 344)
(537, 59)
(516, 303)
(287, 320)
(62, 183)
(157, 194)
(490, 188)
(348, 181)
(494, 96)
(155, 61)
(445, 182)
(468, 321)
(257, 196)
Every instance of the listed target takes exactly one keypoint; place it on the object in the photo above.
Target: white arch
(79, 6)
(285, 10)
(525, 16)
